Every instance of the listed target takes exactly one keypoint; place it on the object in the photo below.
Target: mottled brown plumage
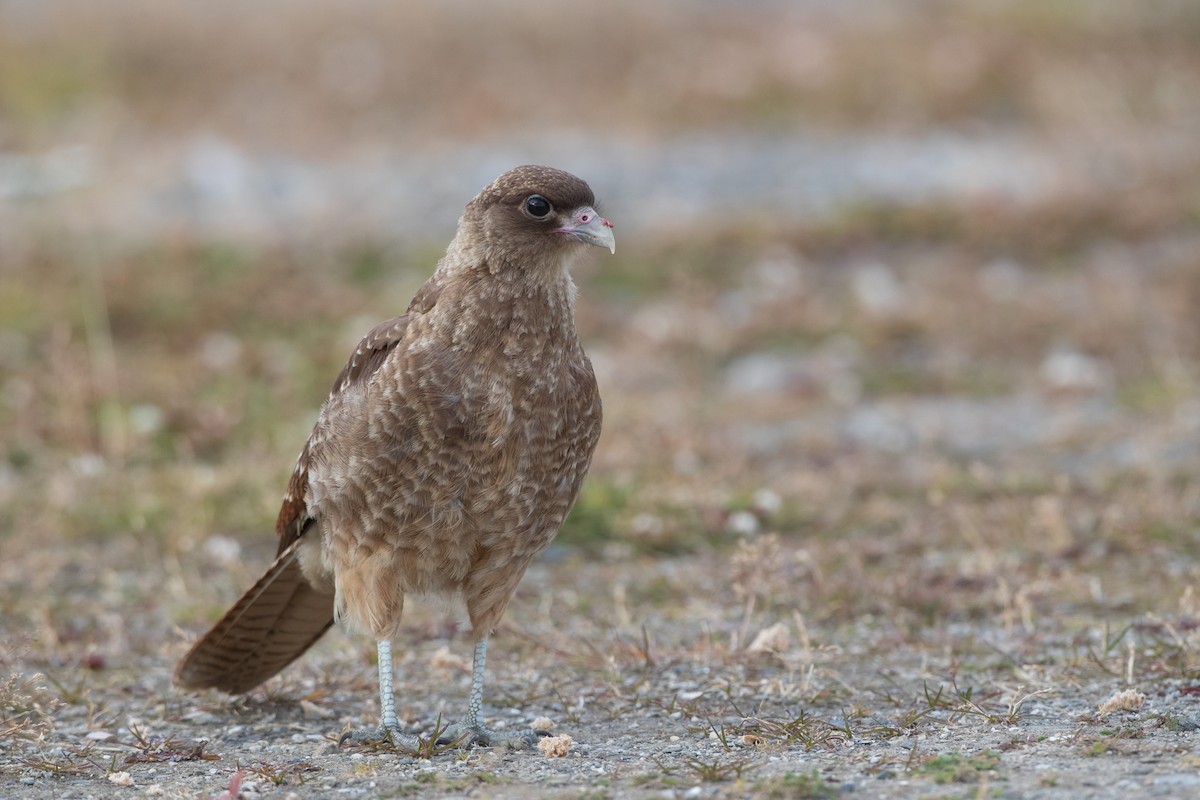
(447, 455)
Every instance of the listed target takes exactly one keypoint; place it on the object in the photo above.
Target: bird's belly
(447, 488)
(423, 513)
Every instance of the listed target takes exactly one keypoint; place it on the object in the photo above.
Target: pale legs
(470, 731)
(389, 725)
(387, 694)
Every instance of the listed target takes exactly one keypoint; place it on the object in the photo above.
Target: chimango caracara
(444, 460)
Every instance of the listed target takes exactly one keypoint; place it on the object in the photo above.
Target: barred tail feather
(271, 626)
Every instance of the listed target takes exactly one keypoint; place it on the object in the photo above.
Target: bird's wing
(370, 354)
(282, 615)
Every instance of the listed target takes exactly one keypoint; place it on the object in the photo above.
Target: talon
(381, 736)
(482, 736)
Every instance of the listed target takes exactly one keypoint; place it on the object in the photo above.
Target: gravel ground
(658, 730)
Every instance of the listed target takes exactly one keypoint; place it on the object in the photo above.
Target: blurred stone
(876, 427)
(780, 271)
(217, 171)
(1002, 279)
(877, 289)
(88, 465)
(646, 524)
(146, 419)
(761, 373)
(828, 370)
(224, 550)
(767, 502)
(220, 350)
(59, 170)
(1069, 370)
(743, 523)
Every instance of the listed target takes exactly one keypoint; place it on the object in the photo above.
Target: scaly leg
(472, 731)
(389, 725)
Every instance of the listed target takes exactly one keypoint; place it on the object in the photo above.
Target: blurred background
(914, 286)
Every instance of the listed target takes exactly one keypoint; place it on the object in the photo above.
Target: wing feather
(366, 359)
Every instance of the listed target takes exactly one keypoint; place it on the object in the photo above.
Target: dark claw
(481, 736)
(377, 737)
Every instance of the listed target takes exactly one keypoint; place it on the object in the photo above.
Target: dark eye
(537, 206)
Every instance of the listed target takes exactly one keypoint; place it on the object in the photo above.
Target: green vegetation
(960, 768)
(796, 786)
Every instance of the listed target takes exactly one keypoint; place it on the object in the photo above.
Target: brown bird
(444, 460)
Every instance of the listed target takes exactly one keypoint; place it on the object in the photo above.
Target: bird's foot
(382, 736)
(464, 734)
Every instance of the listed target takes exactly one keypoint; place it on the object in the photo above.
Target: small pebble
(121, 778)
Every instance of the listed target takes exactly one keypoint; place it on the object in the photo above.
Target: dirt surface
(899, 490)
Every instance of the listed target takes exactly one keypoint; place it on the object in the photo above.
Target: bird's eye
(537, 206)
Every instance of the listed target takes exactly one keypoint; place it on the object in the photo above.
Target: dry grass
(320, 75)
(948, 450)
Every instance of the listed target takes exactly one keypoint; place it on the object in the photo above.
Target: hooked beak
(590, 228)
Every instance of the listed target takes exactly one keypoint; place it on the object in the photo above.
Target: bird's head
(533, 216)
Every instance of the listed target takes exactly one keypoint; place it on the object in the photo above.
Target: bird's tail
(268, 628)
